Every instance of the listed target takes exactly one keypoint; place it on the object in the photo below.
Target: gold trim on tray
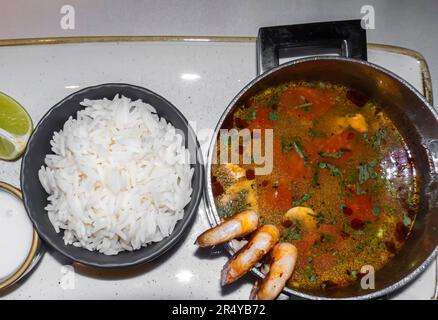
(425, 73)
(33, 250)
(91, 39)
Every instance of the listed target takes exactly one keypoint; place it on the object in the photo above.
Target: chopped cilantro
(376, 140)
(325, 237)
(335, 155)
(376, 209)
(366, 171)
(354, 274)
(299, 150)
(273, 115)
(407, 220)
(290, 234)
(250, 114)
(322, 219)
(310, 273)
(304, 198)
(335, 171)
(305, 106)
(296, 146)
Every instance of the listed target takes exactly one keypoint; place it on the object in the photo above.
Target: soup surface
(342, 162)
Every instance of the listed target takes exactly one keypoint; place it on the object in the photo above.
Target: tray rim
(426, 90)
(424, 68)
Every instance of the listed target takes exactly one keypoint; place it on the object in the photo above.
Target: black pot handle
(346, 38)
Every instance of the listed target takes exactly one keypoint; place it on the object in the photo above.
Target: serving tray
(199, 75)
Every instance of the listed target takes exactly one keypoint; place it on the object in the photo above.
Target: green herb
(322, 219)
(299, 150)
(290, 234)
(376, 140)
(304, 198)
(342, 205)
(346, 228)
(250, 114)
(377, 209)
(366, 171)
(315, 133)
(305, 106)
(335, 171)
(338, 99)
(407, 220)
(335, 155)
(354, 274)
(389, 209)
(296, 146)
(325, 237)
(274, 98)
(273, 115)
(310, 273)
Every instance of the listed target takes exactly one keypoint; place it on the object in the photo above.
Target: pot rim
(211, 210)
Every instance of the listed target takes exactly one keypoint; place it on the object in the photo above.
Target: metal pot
(416, 120)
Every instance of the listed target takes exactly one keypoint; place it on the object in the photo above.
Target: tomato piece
(361, 207)
(334, 143)
(261, 120)
(277, 198)
(290, 164)
(321, 101)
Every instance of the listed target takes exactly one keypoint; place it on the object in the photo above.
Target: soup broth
(338, 154)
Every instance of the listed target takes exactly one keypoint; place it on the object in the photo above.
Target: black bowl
(35, 197)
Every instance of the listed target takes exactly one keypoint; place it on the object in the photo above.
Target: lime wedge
(15, 128)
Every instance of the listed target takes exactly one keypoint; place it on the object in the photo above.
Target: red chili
(348, 211)
(265, 183)
(250, 174)
(357, 224)
(351, 135)
(217, 188)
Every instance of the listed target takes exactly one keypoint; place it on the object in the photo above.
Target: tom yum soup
(342, 188)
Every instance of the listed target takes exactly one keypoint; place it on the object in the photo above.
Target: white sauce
(16, 233)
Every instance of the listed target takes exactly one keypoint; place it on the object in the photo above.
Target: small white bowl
(35, 252)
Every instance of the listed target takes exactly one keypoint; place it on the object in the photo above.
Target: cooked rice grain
(119, 177)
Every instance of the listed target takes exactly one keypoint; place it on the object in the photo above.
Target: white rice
(119, 177)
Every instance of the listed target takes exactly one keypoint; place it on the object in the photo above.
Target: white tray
(199, 76)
